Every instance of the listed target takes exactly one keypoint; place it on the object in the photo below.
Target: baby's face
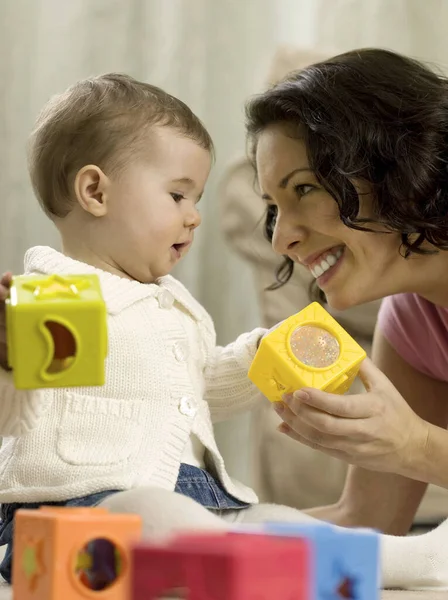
(152, 208)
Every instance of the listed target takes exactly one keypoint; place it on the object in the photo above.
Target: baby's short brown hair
(103, 121)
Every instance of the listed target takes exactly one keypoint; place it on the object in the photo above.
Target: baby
(120, 166)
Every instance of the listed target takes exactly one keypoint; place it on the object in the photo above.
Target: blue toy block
(345, 562)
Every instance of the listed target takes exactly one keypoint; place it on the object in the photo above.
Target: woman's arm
(383, 500)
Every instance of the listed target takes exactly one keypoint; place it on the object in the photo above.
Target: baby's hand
(5, 284)
(274, 328)
(269, 331)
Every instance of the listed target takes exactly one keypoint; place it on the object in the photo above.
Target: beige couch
(285, 471)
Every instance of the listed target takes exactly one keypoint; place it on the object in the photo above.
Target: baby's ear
(91, 187)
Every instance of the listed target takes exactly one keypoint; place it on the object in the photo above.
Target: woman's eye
(177, 197)
(303, 189)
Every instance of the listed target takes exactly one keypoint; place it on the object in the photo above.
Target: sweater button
(187, 406)
(180, 351)
(165, 299)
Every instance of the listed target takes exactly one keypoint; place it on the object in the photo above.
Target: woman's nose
(286, 237)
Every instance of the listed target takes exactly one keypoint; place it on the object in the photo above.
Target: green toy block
(56, 329)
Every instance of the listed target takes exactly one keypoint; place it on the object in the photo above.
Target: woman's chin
(342, 301)
(348, 298)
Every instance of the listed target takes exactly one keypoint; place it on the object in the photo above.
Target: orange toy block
(72, 553)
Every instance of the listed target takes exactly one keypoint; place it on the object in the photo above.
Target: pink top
(418, 331)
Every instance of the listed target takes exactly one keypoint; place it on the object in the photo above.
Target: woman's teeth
(329, 261)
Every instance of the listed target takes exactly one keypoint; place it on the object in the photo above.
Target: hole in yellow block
(314, 346)
(64, 344)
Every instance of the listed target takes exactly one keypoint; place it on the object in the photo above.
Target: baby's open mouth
(179, 248)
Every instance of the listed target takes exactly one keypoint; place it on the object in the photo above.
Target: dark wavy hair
(370, 115)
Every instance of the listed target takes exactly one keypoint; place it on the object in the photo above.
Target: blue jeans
(193, 482)
(199, 485)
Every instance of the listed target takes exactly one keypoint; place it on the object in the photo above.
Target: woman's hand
(376, 430)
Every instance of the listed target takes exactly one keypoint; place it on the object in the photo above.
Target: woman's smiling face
(350, 266)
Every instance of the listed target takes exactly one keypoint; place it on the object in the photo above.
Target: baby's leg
(410, 562)
(164, 512)
(262, 513)
(407, 562)
(416, 561)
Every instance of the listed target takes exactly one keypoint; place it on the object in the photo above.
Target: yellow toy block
(56, 328)
(310, 349)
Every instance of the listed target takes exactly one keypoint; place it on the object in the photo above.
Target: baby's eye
(271, 214)
(177, 197)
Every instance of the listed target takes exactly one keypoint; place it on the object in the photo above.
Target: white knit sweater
(165, 379)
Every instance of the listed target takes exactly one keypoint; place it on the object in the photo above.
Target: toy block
(222, 567)
(72, 553)
(345, 563)
(56, 331)
(309, 349)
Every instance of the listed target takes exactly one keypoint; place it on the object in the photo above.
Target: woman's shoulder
(418, 330)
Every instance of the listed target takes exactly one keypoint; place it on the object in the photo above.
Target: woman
(296, 481)
(352, 161)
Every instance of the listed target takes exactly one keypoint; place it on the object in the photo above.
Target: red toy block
(222, 567)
